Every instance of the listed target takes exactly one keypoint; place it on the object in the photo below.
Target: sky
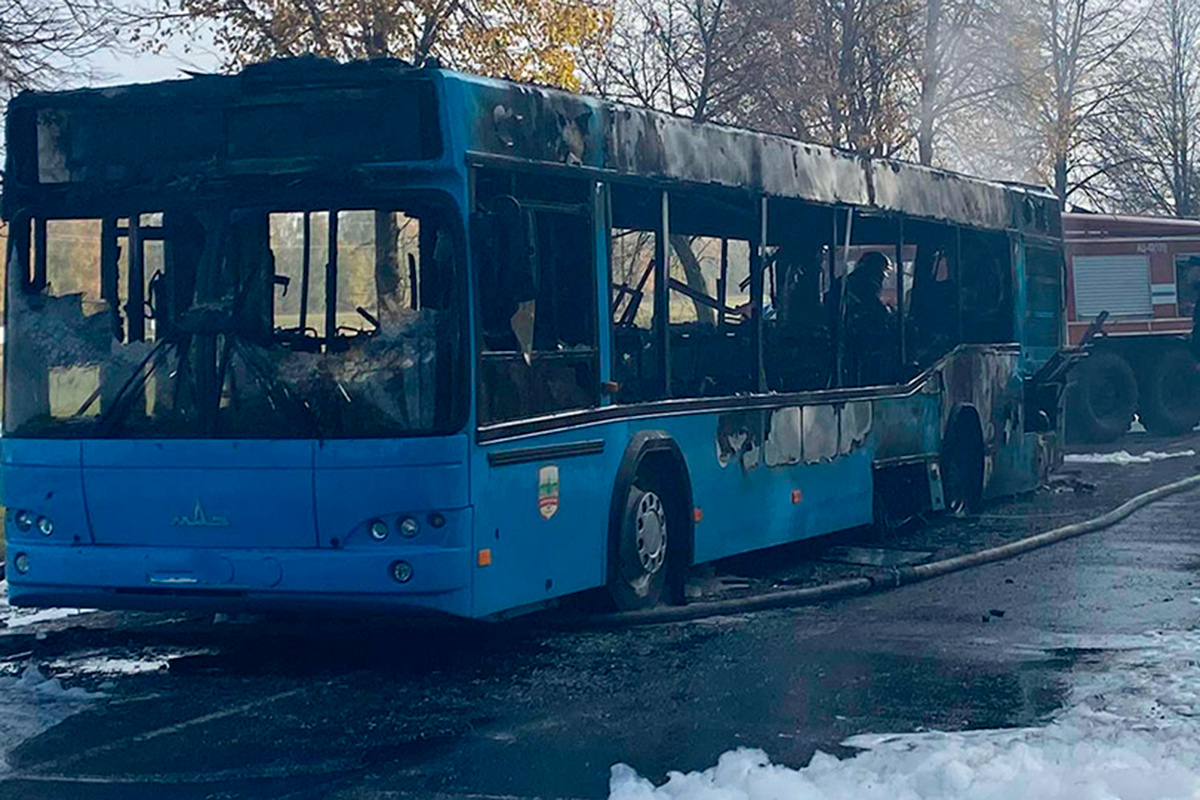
(115, 67)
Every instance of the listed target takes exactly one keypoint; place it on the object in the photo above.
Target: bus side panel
(1018, 465)
(756, 486)
(759, 478)
(541, 515)
(908, 426)
(988, 378)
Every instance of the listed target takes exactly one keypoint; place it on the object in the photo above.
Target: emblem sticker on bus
(548, 491)
(200, 519)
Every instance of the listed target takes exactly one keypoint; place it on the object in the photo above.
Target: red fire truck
(1144, 272)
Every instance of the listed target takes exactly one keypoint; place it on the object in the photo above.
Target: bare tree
(962, 70)
(696, 58)
(46, 42)
(843, 72)
(1152, 148)
(1073, 79)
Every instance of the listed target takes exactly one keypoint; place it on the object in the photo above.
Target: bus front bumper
(435, 579)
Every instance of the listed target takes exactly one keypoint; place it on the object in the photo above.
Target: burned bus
(383, 337)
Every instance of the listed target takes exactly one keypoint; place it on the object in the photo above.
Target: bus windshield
(237, 322)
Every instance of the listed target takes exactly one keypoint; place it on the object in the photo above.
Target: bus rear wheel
(962, 461)
(1101, 399)
(640, 577)
(1170, 393)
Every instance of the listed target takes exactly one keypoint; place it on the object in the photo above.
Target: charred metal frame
(525, 128)
(662, 295)
(596, 211)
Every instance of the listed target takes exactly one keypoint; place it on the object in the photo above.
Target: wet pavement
(357, 710)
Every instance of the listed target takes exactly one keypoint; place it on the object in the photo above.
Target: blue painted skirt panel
(544, 521)
(242, 523)
(237, 578)
(759, 478)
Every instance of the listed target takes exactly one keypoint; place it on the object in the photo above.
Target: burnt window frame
(968, 331)
(590, 210)
(22, 236)
(870, 229)
(797, 229)
(668, 207)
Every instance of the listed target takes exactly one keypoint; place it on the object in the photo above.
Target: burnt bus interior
(238, 321)
(145, 302)
(193, 258)
(717, 293)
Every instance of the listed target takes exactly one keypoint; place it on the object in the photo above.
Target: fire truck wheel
(1101, 399)
(1170, 393)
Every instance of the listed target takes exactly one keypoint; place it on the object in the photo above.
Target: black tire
(883, 525)
(1101, 398)
(639, 577)
(1170, 393)
(962, 462)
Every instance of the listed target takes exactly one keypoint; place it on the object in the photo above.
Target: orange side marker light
(484, 558)
(697, 514)
(797, 496)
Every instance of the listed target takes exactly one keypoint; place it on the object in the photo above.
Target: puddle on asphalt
(875, 556)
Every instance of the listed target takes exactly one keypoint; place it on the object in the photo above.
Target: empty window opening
(535, 268)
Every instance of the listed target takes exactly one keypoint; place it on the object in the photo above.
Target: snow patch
(105, 662)
(17, 617)
(1124, 457)
(104, 665)
(32, 703)
(1129, 732)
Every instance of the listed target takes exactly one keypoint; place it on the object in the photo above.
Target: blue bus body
(505, 514)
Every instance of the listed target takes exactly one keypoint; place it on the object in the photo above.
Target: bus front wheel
(640, 578)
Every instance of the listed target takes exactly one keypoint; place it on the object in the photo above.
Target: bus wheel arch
(962, 457)
(652, 488)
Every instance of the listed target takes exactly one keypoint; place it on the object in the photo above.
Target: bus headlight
(379, 530)
(409, 527)
(402, 571)
(24, 521)
(21, 563)
(45, 525)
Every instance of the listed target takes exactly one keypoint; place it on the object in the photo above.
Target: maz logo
(200, 519)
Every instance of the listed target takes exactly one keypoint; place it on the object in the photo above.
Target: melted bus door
(242, 494)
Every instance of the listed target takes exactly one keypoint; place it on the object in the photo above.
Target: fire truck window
(1187, 282)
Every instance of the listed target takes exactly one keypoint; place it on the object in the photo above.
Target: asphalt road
(358, 711)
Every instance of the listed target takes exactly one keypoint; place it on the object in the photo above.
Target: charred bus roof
(519, 123)
(256, 131)
(308, 116)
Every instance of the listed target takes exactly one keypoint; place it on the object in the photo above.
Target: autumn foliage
(533, 40)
